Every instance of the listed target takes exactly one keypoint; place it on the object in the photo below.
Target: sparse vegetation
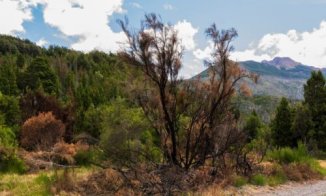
(239, 181)
(259, 180)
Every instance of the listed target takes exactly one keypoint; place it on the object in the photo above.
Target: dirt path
(313, 188)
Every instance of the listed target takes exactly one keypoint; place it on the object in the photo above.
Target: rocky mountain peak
(282, 62)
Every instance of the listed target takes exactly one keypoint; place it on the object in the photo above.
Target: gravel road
(313, 188)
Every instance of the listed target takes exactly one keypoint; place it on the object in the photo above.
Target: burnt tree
(193, 118)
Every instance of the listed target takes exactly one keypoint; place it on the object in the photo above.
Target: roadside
(311, 188)
(308, 188)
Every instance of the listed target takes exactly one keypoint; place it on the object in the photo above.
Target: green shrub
(298, 156)
(84, 158)
(127, 137)
(315, 166)
(7, 137)
(239, 181)
(10, 162)
(288, 155)
(44, 182)
(259, 180)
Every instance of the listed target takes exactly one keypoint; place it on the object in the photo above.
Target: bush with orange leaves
(41, 132)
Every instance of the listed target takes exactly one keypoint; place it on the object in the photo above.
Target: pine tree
(302, 126)
(252, 126)
(8, 85)
(281, 125)
(39, 75)
(315, 99)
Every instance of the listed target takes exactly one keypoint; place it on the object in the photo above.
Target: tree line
(304, 121)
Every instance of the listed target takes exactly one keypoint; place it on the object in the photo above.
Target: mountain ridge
(281, 77)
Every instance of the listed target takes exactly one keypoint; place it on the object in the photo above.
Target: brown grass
(214, 190)
(300, 172)
(322, 163)
(144, 180)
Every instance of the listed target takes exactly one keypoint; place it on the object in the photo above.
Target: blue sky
(267, 28)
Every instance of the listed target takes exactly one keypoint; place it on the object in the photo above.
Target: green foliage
(150, 144)
(39, 75)
(314, 90)
(10, 162)
(8, 84)
(288, 155)
(126, 135)
(7, 137)
(9, 107)
(281, 125)
(86, 158)
(315, 166)
(302, 126)
(278, 176)
(92, 121)
(21, 61)
(315, 98)
(259, 180)
(46, 182)
(298, 156)
(239, 181)
(264, 106)
(13, 45)
(252, 126)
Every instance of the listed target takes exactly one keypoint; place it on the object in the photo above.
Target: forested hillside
(128, 124)
(66, 82)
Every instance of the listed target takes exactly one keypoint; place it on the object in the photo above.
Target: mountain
(282, 62)
(280, 77)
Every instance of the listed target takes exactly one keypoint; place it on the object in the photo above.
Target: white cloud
(136, 5)
(306, 47)
(205, 53)
(168, 7)
(191, 67)
(88, 20)
(186, 32)
(13, 14)
(42, 42)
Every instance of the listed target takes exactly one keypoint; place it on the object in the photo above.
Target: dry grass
(34, 184)
(322, 163)
(214, 190)
(148, 181)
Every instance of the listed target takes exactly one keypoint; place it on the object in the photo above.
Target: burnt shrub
(41, 132)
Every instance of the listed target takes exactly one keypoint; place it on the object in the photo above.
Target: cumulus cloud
(87, 20)
(13, 14)
(191, 67)
(204, 54)
(186, 32)
(306, 47)
(42, 42)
